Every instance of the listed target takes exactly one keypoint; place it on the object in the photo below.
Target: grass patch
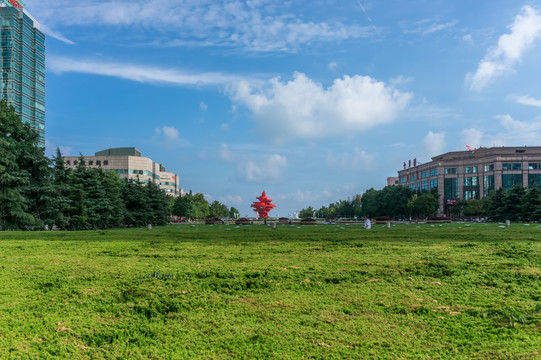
(254, 292)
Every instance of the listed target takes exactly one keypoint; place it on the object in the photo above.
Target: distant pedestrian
(367, 224)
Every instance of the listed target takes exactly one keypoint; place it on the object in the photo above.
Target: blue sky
(312, 101)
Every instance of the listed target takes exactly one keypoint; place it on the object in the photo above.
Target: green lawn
(324, 292)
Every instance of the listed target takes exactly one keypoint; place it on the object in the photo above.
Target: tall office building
(22, 58)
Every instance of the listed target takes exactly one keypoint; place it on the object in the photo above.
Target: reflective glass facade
(22, 57)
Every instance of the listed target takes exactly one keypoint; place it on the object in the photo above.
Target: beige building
(129, 164)
(473, 174)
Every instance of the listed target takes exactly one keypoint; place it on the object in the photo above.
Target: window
(470, 181)
(105, 162)
(424, 185)
(98, 162)
(90, 162)
(434, 184)
(413, 177)
(68, 162)
(471, 194)
(434, 172)
(488, 184)
(451, 188)
(424, 174)
(402, 179)
(510, 180)
(532, 166)
(517, 166)
(489, 167)
(450, 171)
(75, 162)
(506, 166)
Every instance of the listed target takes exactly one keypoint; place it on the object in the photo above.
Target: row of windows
(425, 185)
(474, 169)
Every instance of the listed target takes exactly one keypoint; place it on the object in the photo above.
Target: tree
(191, 206)
(423, 205)
(495, 204)
(531, 208)
(136, 203)
(218, 210)
(512, 201)
(233, 213)
(17, 139)
(474, 207)
(306, 213)
(158, 205)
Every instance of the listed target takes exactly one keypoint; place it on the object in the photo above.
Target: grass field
(253, 292)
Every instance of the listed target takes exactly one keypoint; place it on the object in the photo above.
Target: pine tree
(15, 139)
(531, 208)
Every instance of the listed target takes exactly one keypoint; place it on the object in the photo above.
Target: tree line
(37, 192)
(195, 206)
(393, 201)
(399, 202)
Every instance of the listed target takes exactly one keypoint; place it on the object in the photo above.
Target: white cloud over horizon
(357, 160)
(434, 143)
(264, 169)
(304, 109)
(526, 100)
(134, 72)
(500, 59)
(263, 25)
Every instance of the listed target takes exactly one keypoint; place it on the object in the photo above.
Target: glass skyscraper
(22, 58)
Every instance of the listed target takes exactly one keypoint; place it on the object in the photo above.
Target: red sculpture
(263, 206)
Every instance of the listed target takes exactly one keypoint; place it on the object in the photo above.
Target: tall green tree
(423, 205)
(16, 141)
(218, 210)
(512, 203)
(531, 208)
(233, 213)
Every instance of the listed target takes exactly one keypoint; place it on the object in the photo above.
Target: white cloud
(359, 160)
(526, 100)
(232, 200)
(269, 25)
(56, 35)
(139, 73)
(468, 39)
(170, 132)
(203, 106)
(332, 65)
(499, 60)
(509, 132)
(430, 26)
(225, 154)
(302, 108)
(224, 126)
(434, 143)
(267, 168)
(472, 137)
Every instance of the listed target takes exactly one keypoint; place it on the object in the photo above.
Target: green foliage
(35, 191)
(233, 213)
(191, 206)
(423, 205)
(307, 213)
(218, 210)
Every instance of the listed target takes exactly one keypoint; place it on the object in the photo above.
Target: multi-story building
(23, 64)
(473, 174)
(129, 164)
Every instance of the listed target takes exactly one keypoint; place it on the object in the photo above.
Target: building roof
(495, 151)
(122, 151)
